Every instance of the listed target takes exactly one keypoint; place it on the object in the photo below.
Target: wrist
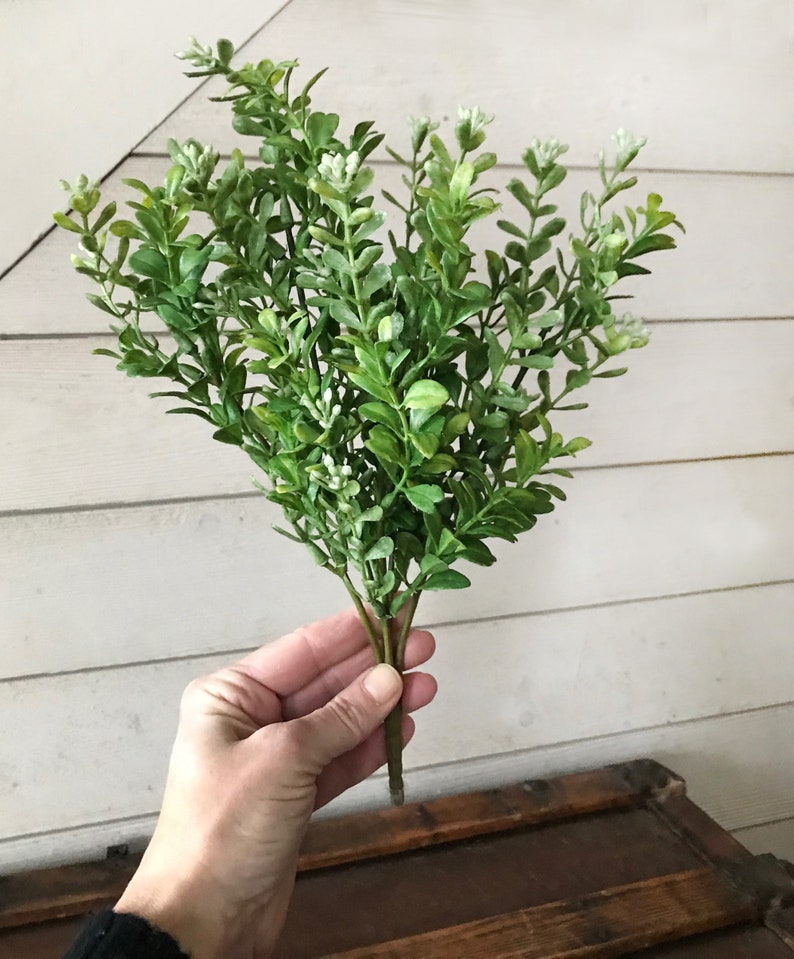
(202, 926)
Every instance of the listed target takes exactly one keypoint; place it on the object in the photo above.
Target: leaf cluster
(397, 394)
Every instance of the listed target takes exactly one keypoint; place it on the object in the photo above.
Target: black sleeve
(110, 935)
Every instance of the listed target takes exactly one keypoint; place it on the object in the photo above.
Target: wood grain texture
(599, 926)
(669, 529)
(687, 77)
(367, 835)
(593, 841)
(561, 677)
(54, 453)
(726, 267)
(38, 896)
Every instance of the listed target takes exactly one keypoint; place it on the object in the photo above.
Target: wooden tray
(614, 862)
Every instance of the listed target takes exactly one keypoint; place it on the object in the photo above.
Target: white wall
(651, 615)
(84, 81)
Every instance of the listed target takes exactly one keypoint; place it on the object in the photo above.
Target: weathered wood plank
(38, 896)
(599, 926)
(551, 680)
(687, 78)
(335, 841)
(670, 529)
(742, 217)
(75, 432)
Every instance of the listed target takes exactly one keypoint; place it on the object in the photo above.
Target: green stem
(405, 629)
(363, 615)
(392, 727)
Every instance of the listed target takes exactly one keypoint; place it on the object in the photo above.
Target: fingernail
(382, 683)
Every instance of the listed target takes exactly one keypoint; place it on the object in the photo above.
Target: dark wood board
(616, 862)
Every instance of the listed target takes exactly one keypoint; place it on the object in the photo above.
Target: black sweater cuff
(111, 935)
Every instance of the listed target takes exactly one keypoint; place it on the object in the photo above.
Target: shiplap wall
(81, 82)
(651, 615)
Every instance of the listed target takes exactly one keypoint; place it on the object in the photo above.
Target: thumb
(351, 716)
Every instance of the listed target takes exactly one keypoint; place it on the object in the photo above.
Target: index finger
(290, 663)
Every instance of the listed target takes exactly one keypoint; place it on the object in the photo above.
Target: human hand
(260, 745)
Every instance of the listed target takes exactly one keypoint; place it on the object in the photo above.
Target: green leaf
(494, 421)
(425, 395)
(379, 276)
(150, 263)
(369, 385)
(382, 413)
(380, 550)
(575, 379)
(460, 183)
(528, 341)
(335, 260)
(477, 552)
(372, 515)
(101, 303)
(321, 127)
(342, 313)
(66, 223)
(424, 496)
(384, 445)
(225, 51)
(511, 228)
(496, 353)
(527, 456)
(440, 463)
(522, 194)
(547, 320)
(576, 444)
(126, 228)
(455, 425)
(447, 579)
(536, 362)
(426, 443)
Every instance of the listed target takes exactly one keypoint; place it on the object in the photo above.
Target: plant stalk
(393, 724)
(389, 648)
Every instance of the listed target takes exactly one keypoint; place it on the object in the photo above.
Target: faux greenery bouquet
(396, 395)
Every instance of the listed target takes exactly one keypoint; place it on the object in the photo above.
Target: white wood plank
(708, 84)
(774, 837)
(127, 594)
(504, 686)
(76, 432)
(682, 746)
(731, 765)
(89, 112)
(727, 265)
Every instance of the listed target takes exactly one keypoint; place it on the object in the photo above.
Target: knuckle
(192, 695)
(347, 715)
